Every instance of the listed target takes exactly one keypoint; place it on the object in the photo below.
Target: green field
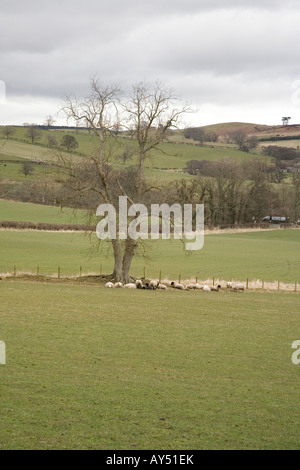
(93, 368)
(117, 369)
(271, 255)
(27, 212)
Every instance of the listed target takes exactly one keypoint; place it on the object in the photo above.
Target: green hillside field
(266, 255)
(109, 369)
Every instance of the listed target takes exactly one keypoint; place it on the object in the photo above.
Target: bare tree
(149, 114)
(152, 112)
(27, 168)
(239, 137)
(52, 141)
(8, 131)
(49, 121)
(33, 133)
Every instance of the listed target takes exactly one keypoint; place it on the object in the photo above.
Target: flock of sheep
(152, 285)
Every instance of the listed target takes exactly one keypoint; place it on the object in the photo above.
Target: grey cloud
(49, 49)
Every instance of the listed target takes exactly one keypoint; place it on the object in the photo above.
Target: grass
(92, 368)
(27, 212)
(271, 255)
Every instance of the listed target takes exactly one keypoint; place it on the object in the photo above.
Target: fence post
(247, 284)
(80, 271)
(159, 281)
(58, 272)
(179, 278)
(144, 273)
(15, 270)
(100, 269)
(37, 270)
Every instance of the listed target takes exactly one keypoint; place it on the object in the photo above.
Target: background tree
(49, 121)
(33, 133)
(238, 137)
(52, 141)
(198, 134)
(126, 155)
(8, 131)
(27, 168)
(69, 142)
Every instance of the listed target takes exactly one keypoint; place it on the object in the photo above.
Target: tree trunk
(117, 272)
(130, 246)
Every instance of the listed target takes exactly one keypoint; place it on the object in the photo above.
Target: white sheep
(153, 284)
(176, 285)
(206, 289)
(119, 285)
(110, 285)
(239, 286)
(229, 285)
(139, 284)
(198, 286)
(130, 285)
(215, 288)
(191, 286)
(162, 287)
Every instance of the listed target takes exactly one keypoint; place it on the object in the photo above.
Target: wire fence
(39, 272)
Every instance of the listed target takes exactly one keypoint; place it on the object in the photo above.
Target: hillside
(259, 130)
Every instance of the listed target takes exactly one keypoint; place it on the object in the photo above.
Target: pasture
(27, 212)
(266, 255)
(94, 368)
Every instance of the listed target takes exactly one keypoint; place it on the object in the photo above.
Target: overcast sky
(233, 60)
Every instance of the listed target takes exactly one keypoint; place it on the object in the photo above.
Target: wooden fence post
(15, 270)
(58, 272)
(80, 271)
(37, 270)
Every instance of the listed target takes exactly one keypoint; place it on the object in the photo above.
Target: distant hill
(259, 130)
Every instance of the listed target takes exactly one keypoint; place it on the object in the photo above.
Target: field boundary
(101, 279)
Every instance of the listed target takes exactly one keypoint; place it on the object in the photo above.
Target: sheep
(162, 287)
(119, 285)
(229, 285)
(139, 284)
(176, 285)
(110, 285)
(239, 286)
(130, 285)
(191, 286)
(198, 286)
(153, 284)
(215, 288)
(206, 289)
